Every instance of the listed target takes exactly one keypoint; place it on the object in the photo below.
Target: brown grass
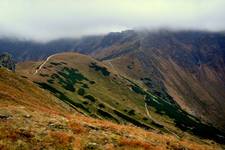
(135, 144)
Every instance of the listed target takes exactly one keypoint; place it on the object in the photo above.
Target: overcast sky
(51, 19)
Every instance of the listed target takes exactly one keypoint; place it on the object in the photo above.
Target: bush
(81, 91)
(92, 82)
(145, 118)
(103, 70)
(101, 105)
(90, 97)
(85, 103)
(85, 86)
(131, 112)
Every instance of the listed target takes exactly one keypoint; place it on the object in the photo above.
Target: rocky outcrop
(7, 62)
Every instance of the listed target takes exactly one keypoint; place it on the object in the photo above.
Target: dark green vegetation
(182, 119)
(137, 89)
(131, 120)
(90, 97)
(63, 97)
(157, 89)
(69, 77)
(103, 70)
(81, 91)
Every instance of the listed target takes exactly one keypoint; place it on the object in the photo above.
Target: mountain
(32, 50)
(32, 118)
(185, 65)
(188, 66)
(95, 88)
(168, 81)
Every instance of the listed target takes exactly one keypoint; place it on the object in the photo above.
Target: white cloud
(49, 19)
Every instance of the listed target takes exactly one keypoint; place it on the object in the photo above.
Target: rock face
(7, 62)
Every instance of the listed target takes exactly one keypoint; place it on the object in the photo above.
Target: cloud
(48, 19)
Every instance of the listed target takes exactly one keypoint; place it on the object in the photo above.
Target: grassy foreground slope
(31, 118)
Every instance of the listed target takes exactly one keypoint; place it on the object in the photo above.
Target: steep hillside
(31, 118)
(97, 89)
(188, 66)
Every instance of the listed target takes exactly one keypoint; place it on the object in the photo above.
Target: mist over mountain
(28, 50)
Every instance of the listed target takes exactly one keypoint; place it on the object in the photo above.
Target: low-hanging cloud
(51, 19)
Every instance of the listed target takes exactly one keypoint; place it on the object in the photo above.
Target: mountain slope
(32, 118)
(189, 66)
(96, 89)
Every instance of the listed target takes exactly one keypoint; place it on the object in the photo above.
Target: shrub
(145, 118)
(101, 105)
(55, 63)
(44, 75)
(103, 70)
(81, 91)
(92, 82)
(50, 81)
(85, 102)
(90, 97)
(137, 89)
(131, 112)
(85, 86)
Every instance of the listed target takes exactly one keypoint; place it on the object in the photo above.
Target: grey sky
(51, 19)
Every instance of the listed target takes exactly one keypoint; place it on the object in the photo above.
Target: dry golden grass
(53, 131)
(130, 137)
